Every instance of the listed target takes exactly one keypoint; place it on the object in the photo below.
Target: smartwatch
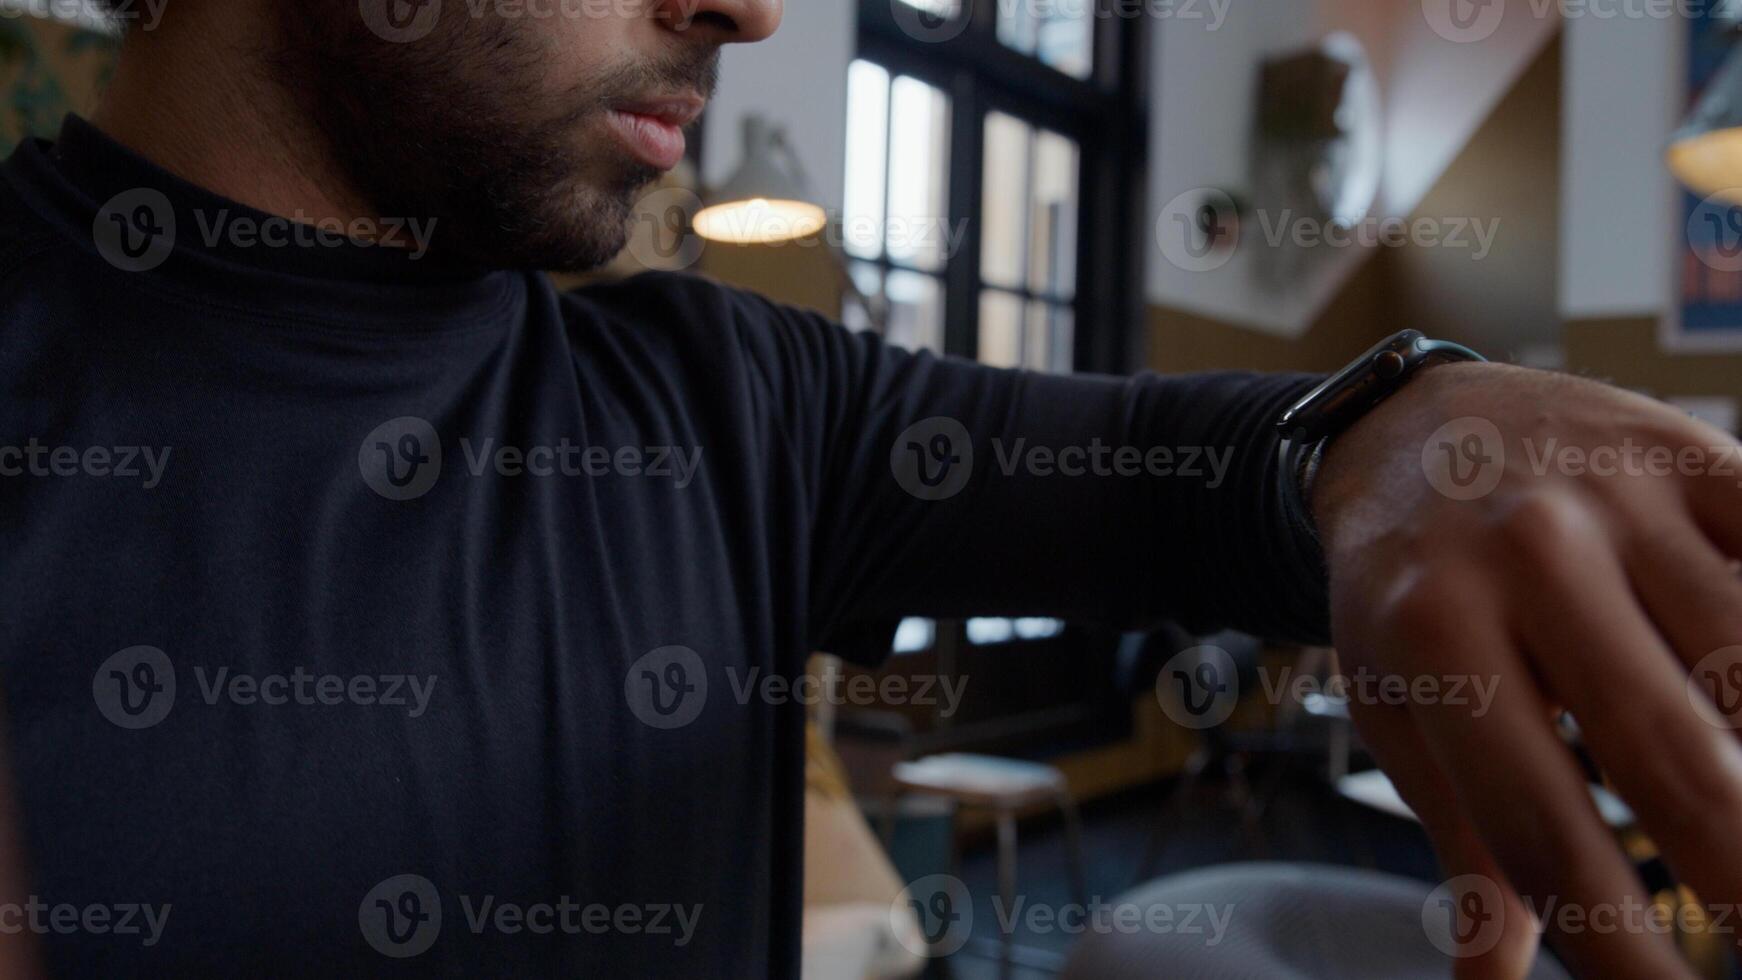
(1326, 411)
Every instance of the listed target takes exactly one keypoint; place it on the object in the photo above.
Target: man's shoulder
(700, 313)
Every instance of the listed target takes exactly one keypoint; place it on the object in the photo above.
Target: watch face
(1357, 386)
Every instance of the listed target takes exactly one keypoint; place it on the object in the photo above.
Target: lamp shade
(766, 200)
(1705, 153)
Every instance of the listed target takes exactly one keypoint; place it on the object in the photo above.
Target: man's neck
(199, 107)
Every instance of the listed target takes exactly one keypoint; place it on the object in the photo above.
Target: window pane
(1000, 329)
(1065, 40)
(1060, 33)
(1049, 336)
(914, 635)
(1002, 202)
(1052, 243)
(867, 136)
(869, 279)
(919, 142)
(916, 311)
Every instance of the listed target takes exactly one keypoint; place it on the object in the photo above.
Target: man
(372, 609)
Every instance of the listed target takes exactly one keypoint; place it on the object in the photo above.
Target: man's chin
(577, 235)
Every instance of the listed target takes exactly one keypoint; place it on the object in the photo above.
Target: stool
(1006, 787)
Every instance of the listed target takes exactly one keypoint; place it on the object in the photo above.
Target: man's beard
(453, 128)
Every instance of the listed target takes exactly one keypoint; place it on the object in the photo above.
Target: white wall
(1623, 95)
(797, 78)
(1436, 92)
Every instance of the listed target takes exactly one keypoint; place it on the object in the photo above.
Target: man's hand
(1572, 544)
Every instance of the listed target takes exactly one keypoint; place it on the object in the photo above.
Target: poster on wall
(1707, 314)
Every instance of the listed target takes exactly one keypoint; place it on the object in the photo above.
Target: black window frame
(1107, 116)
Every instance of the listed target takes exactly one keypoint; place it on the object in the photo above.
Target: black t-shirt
(363, 616)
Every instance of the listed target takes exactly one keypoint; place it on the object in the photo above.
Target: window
(894, 230)
(992, 151)
(992, 154)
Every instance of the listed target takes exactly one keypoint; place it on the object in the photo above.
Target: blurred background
(1174, 185)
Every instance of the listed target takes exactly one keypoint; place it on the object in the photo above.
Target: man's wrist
(1348, 470)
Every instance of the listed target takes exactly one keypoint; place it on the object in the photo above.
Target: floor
(1305, 822)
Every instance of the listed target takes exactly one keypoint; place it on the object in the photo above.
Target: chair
(1006, 788)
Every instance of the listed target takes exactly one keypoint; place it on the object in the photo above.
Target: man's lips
(652, 129)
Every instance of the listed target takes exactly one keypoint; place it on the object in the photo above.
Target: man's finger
(1500, 947)
(1695, 599)
(1519, 783)
(1681, 772)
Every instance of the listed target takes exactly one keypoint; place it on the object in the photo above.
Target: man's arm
(946, 488)
(1568, 544)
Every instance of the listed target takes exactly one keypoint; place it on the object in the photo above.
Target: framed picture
(1706, 314)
